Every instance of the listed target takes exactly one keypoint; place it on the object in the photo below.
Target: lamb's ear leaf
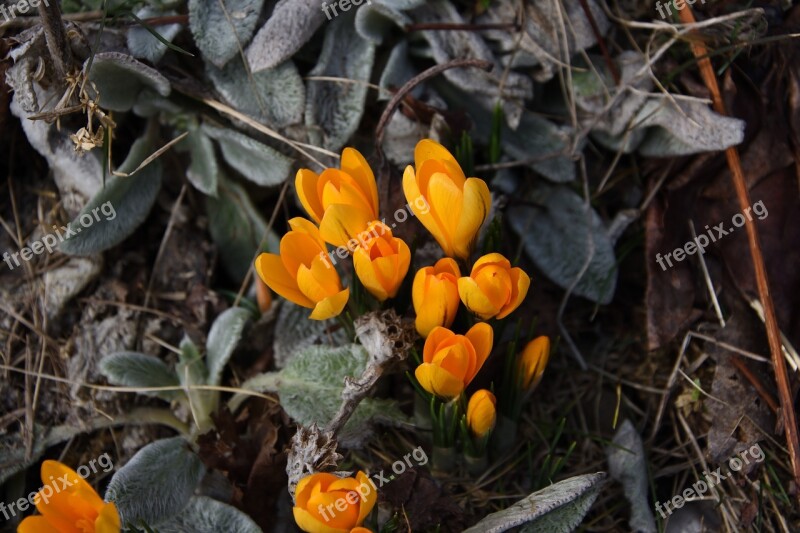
(226, 331)
(334, 110)
(119, 79)
(559, 508)
(205, 515)
(118, 209)
(212, 31)
(156, 483)
(292, 24)
(259, 163)
(133, 369)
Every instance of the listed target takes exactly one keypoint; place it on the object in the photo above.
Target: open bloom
(451, 361)
(342, 201)
(435, 295)
(382, 262)
(533, 361)
(481, 413)
(302, 273)
(457, 205)
(325, 503)
(72, 507)
(493, 289)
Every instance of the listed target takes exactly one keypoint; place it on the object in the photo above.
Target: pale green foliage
(310, 389)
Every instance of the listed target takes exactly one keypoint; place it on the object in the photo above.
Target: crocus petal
(368, 499)
(341, 224)
(447, 265)
(308, 523)
(306, 226)
(337, 187)
(427, 219)
(481, 412)
(305, 183)
(493, 258)
(477, 201)
(446, 200)
(438, 381)
(429, 149)
(519, 289)
(365, 270)
(354, 164)
(433, 303)
(306, 485)
(474, 299)
(331, 306)
(271, 270)
(108, 519)
(298, 248)
(39, 524)
(481, 335)
(456, 360)
(435, 338)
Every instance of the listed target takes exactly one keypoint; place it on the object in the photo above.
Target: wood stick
(773, 332)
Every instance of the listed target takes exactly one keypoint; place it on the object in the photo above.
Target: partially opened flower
(382, 262)
(325, 503)
(533, 361)
(303, 273)
(456, 205)
(451, 361)
(68, 504)
(493, 289)
(481, 413)
(342, 201)
(435, 295)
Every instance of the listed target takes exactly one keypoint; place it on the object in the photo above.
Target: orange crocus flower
(493, 289)
(68, 504)
(303, 273)
(342, 201)
(325, 503)
(382, 262)
(451, 361)
(457, 205)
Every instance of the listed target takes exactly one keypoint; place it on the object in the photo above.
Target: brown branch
(56, 36)
(773, 332)
(762, 391)
(612, 67)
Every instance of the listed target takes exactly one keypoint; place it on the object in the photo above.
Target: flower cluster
(342, 205)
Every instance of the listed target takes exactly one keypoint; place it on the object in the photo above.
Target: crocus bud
(342, 201)
(455, 206)
(303, 273)
(382, 262)
(435, 295)
(451, 361)
(493, 289)
(481, 413)
(533, 361)
(325, 503)
(67, 502)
